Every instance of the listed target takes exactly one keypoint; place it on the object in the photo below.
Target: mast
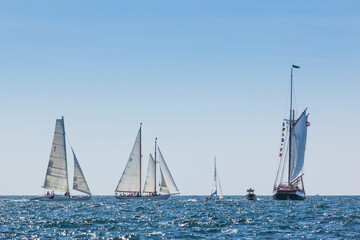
(140, 161)
(291, 80)
(292, 113)
(155, 169)
(215, 174)
(67, 178)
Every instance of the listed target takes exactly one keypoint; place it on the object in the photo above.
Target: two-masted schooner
(216, 191)
(129, 186)
(289, 177)
(56, 179)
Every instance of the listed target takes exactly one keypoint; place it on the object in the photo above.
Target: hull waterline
(250, 197)
(157, 197)
(54, 198)
(289, 195)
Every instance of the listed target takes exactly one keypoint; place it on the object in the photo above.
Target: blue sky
(205, 77)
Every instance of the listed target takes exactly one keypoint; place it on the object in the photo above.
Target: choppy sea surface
(181, 217)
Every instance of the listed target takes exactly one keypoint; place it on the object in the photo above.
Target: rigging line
(284, 145)
(68, 140)
(285, 108)
(279, 161)
(285, 154)
(294, 97)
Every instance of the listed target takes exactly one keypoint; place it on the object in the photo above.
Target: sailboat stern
(289, 194)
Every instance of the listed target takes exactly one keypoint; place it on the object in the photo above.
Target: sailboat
(289, 178)
(216, 191)
(56, 178)
(129, 186)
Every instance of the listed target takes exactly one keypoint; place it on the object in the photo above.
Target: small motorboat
(251, 195)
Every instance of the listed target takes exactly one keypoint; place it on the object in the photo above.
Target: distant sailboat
(216, 191)
(289, 178)
(56, 178)
(129, 186)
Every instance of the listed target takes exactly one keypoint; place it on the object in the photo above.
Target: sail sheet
(150, 184)
(166, 177)
(56, 175)
(79, 183)
(130, 179)
(298, 143)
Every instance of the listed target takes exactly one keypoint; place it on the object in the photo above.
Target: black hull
(251, 197)
(289, 195)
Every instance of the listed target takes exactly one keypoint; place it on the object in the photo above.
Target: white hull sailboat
(62, 198)
(289, 178)
(56, 178)
(129, 186)
(216, 190)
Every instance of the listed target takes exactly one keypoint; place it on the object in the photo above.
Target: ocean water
(181, 217)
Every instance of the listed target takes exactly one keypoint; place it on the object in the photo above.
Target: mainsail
(167, 183)
(56, 174)
(214, 185)
(150, 184)
(130, 179)
(298, 143)
(216, 190)
(80, 183)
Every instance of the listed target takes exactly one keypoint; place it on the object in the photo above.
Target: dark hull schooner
(289, 179)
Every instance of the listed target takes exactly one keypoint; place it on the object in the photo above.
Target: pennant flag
(308, 123)
(294, 66)
(283, 124)
(280, 154)
(283, 129)
(283, 134)
(282, 140)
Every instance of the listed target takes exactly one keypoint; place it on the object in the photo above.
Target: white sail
(298, 143)
(56, 175)
(220, 194)
(162, 184)
(80, 183)
(130, 179)
(150, 184)
(166, 180)
(214, 185)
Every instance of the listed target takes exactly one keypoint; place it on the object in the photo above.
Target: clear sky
(205, 77)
